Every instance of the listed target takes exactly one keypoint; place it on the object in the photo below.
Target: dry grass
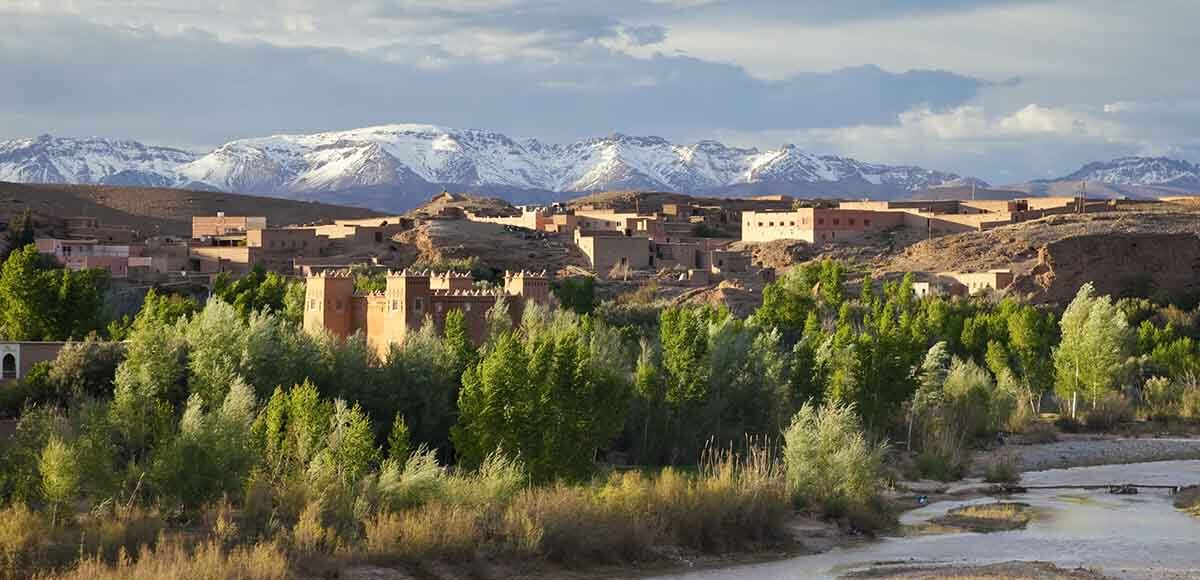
(171, 560)
(994, 517)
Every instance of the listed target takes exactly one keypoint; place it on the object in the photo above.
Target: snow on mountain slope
(416, 157)
(46, 159)
(1139, 171)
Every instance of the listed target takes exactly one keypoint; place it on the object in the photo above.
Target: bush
(1109, 411)
(830, 465)
(435, 531)
(942, 467)
(109, 532)
(1189, 403)
(1068, 424)
(1161, 398)
(1041, 432)
(1021, 420)
(23, 540)
(1003, 469)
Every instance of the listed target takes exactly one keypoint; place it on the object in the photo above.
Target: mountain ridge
(412, 160)
(395, 167)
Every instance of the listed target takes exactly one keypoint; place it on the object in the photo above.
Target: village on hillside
(682, 249)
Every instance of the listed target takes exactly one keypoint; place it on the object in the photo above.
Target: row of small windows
(288, 244)
(820, 222)
(418, 305)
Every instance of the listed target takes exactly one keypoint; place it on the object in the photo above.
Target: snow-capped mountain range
(1159, 171)
(394, 167)
(401, 161)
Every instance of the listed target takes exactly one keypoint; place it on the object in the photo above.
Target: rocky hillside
(1147, 251)
(396, 166)
(162, 210)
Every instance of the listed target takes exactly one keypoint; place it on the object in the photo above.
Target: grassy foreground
(421, 516)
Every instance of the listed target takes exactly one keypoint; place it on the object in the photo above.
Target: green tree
(254, 292)
(216, 342)
(544, 395)
(1094, 346)
(20, 233)
(577, 293)
(39, 301)
(399, 444)
(150, 382)
(59, 466)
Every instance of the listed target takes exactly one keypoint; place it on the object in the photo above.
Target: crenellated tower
(328, 303)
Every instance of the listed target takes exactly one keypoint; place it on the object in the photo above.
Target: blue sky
(1006, 90)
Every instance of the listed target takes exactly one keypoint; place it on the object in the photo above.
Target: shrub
(1003, 469)
(829, 462)
(939, 466)
(1041, 432)
(108, 532)
(435, 531)
(1189, 403)
(309, 535)
(1068, 424)
(23, 540)
(1021, 420)
(1161, 398)
(1110, 411)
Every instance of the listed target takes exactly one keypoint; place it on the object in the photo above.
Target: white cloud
(970, 123)
(1030, 141)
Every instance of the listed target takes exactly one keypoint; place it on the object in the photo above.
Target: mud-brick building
(18, 357)
(411, 298)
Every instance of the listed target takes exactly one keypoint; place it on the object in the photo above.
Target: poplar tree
(1095, 343)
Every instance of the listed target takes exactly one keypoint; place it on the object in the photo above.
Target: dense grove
(226, 433)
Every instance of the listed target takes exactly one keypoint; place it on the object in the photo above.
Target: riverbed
(1137, 537)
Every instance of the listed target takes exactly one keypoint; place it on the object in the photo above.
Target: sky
(1006, 90)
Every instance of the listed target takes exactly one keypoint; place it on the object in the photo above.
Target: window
(836, 221)
(866, 222)
(772, 224)
(9, 370)
(395, 304)
(792, 223)
(467, 307)
(760, 224)
(437, 307)
(418, 305)
(337, 305)
(851, 221)
(821, 221)
(378, 237)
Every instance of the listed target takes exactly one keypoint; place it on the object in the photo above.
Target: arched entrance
(8, 366)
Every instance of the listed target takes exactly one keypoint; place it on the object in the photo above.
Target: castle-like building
(411, 297)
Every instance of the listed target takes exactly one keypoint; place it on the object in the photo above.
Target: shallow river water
(1126, 536)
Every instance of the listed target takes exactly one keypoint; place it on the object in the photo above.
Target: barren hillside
(1148, 250)
(497, 246)
(151, 210)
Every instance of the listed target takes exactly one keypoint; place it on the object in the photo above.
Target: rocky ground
(1001, 571)
(1086, 450)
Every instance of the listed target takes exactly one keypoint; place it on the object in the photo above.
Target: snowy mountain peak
(408, 158)
(1139, 171)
